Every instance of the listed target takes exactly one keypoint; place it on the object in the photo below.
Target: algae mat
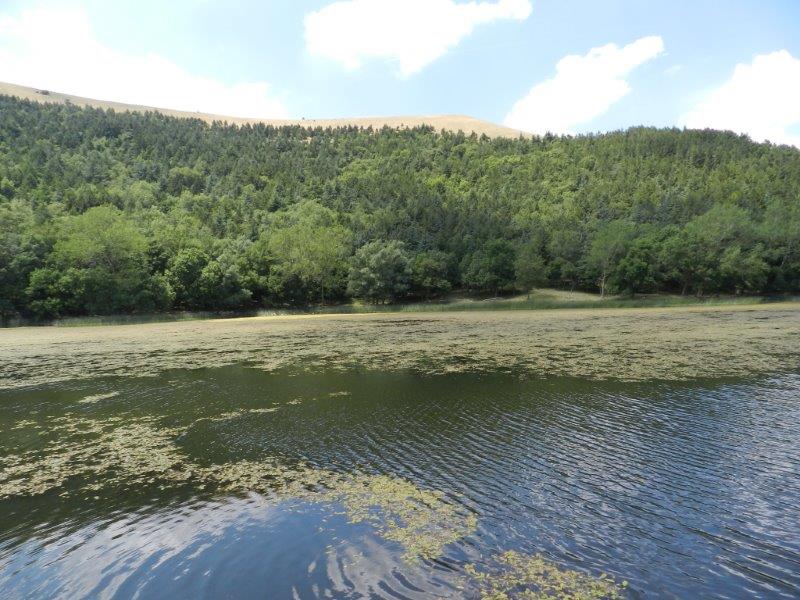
(671, 344)
(296, 476)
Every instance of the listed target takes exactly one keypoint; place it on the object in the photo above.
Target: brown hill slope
(438, 122)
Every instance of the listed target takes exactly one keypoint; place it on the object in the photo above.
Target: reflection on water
(682, 490)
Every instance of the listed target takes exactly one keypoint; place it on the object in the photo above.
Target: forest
(106, 213)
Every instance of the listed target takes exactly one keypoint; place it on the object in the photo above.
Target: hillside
(121, 212)
(438, 122)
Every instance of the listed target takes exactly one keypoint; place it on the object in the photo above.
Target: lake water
(349, 481)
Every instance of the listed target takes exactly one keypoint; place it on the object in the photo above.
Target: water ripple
(684, 490)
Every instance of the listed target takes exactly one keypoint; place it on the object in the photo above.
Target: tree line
(104, 212)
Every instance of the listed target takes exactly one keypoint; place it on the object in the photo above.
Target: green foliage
(20, 253)
(103, 212)
(607, 249)
(429, 274)
(379, 272)
(718, 242)
(184, 273)
(490, 268)
(638, 269)
(101, 238)
(98, 265)
(180, 179)
(780, 232)
(307, 246)
(201, 283)
(530, 269)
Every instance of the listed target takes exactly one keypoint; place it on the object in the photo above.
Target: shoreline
(790, 304)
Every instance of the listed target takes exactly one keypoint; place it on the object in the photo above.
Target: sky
(563, 66)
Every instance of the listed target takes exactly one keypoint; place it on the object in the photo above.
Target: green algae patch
(88, 456)
(516, 576)
(422, 521)
(95, 398)
(671, 344)
(242, 412)
(268, 477)
(93, 455)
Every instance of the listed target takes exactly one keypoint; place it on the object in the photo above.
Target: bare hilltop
(447, 122)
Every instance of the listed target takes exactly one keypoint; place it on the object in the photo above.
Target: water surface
(683, 489)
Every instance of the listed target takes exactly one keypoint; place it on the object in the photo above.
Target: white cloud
(584, 87)
(761, 99)
(413, 32)
(673, 71)
(57, 50)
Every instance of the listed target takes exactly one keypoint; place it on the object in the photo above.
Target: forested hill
(104, 212)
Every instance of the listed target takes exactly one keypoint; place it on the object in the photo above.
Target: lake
(607, 453)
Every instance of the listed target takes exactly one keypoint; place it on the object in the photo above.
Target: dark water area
(684, 490)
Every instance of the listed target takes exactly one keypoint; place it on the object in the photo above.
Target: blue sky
(731, 64)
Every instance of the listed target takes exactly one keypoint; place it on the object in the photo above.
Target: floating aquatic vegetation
(242, 412)
(97, 398)
(513, 575)
(422, 521)
(23, 424)
(624, 344)
(99, 454)
(268, 477)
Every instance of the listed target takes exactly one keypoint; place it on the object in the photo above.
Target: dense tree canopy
(380, 271)
(104, 212)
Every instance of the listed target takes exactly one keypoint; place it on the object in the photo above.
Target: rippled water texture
(443, 456)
